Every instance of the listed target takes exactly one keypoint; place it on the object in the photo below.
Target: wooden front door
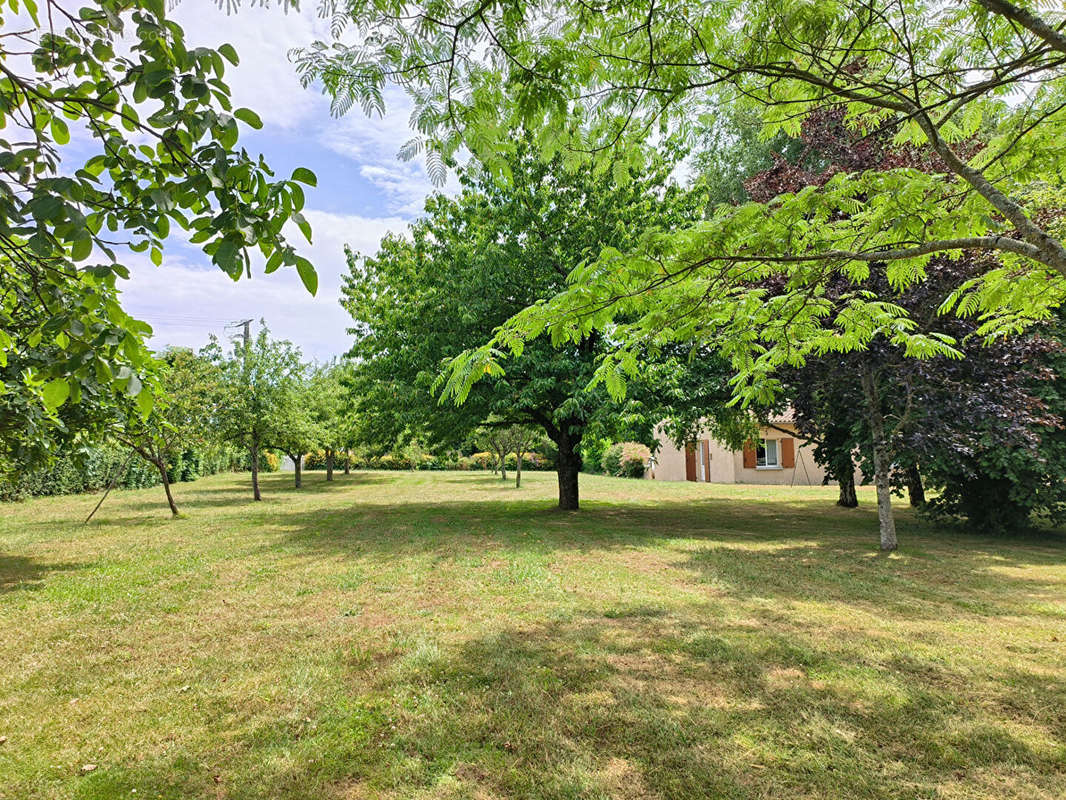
(690, 461)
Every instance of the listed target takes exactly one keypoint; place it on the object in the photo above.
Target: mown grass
(440, 635)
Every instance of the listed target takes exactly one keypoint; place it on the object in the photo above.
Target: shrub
(483, 460)
(592, 452)
(532, 461)
(269, 461)
(611, 460)
(625, 459)
(392, 461)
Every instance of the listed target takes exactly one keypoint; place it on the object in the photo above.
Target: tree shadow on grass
(645, 705)
(22, 573)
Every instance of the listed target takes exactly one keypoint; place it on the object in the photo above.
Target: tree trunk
(503, 465)
(297, 461)
(347, 461)
(845, 475)
(254, 453)
(882, 461)
(568, 467)
(518, 470)
(162, 467)
(915, 487)
(329, 465)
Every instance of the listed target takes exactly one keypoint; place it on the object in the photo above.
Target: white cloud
(374, 143)
(186, 299)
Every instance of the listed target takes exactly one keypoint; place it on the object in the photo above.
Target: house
(780, 457)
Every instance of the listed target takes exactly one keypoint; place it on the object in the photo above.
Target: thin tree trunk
(882, 461)
(347, 461)
(254, 452)
(846, 481)
(111, 485)
(297, 461)
(568, 467)
(503, 465)
(518, 470)
(329, 465)
(915, 487)
(162, 467)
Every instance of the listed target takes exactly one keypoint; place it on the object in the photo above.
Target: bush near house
(625, 459)
(592, 451)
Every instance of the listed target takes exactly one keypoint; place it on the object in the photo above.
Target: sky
(364, 191)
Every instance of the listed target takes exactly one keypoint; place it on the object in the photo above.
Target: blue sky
(363, 192)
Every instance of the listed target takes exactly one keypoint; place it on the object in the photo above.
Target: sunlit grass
(443, 635)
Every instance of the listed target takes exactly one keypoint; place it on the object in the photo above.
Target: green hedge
(398, 461)
(92, 469)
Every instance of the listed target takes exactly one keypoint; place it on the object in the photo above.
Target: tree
(522, 440)
(297, 429)
(503, 439)
(492, 437)
(469, 264)
(256, 378)
(115, 79)
(977, 85)
(329, 403)
(180, 418)
(935, 417)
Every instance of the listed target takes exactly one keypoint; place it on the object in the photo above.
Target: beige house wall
(727, 466)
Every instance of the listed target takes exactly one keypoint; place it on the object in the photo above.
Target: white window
(766, 455)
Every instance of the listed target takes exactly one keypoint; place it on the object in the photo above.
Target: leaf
(55, 393)
(60, 132)
(304, 175)
(145, 402)
(134, 387)
(307, 274)
(81, 248)
(302, 224)
(230, 54)
(248, 117)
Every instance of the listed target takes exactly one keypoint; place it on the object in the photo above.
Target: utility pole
(247, 325)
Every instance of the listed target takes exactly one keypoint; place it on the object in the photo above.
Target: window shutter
(788, 453)
(749, 456)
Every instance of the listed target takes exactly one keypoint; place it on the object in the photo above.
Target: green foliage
(592, 451)
(269, 461)
(258, 387)
(625, 460)
(116, 81)
(469, 264)
(92, 469)
(998, 489)
(940, 83)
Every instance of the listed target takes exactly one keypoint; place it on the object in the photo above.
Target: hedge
(93, 468)
(316, 460)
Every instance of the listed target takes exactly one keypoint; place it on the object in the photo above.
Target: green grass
(440, 635)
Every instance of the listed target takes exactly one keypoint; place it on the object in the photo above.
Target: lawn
(440, 635)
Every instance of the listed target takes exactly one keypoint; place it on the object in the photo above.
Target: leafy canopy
(978, 88)
(116, 80)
